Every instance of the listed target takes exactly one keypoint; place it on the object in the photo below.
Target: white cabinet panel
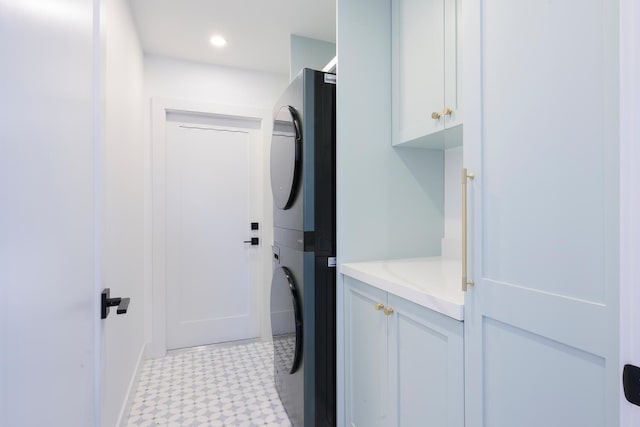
(426, 367)
(531, 164)
(418, 72)
(569, 377)
(452, 62)
(366, 355)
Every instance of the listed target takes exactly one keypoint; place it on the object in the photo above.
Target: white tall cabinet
(541, 321)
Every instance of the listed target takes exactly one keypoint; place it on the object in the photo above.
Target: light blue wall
(309, 53)
(390, 201)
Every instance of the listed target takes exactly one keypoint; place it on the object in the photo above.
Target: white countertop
(433, 282)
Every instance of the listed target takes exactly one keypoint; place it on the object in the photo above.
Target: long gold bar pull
(465, 177)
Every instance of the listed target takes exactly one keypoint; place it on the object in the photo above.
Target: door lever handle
(107, 302)
(254, 241)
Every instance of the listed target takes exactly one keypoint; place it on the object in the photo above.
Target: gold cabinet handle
(435, 115)
(379, 306)
(465, 176)
(447, 111)
(388, 311)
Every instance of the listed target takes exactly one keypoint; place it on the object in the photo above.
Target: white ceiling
(257, 31)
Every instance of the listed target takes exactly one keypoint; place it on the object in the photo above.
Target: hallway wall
(172, 78)
(166, 78)
(123, 207)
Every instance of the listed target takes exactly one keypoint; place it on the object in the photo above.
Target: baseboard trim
(128, 402)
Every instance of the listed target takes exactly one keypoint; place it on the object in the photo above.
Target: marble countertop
(433, 282)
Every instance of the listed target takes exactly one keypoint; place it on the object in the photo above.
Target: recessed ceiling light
(218, 41)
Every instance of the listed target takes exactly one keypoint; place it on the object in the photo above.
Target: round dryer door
(286, 321)
(286, 157)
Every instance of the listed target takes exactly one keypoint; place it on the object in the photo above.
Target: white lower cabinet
(403, 362)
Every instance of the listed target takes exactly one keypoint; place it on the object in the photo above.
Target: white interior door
(49, 334)
(541, 322)
(211, 273)
(629, 197)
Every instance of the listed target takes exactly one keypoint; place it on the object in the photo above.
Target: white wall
(123, 207)
(167, 78)
(452, 241)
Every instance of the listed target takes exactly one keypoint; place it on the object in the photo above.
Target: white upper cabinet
(425, 70)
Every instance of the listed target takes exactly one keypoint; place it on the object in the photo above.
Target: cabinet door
(365, 355)
(541, 322)
(452, 63)
(418, 68)
(426, 368)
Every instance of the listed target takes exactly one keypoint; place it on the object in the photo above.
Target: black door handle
(254, 241)
(631, 383)
(121, 303)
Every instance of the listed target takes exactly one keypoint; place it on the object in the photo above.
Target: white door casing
(541, 321)
(226, 115)
(212, 292)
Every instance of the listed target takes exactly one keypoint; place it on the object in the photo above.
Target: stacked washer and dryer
(303, 289)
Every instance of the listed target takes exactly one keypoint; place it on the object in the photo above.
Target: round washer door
(286, 321)
(286, 157)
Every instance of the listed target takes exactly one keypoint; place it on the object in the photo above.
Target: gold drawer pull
(379, 306)
(388, 311)
(435, 116)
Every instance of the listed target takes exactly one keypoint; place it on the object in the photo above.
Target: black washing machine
(303, 289)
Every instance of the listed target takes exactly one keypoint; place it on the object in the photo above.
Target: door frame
(156, 317)
(629, 198)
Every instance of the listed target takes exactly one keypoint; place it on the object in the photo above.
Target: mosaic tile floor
(209, 386)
